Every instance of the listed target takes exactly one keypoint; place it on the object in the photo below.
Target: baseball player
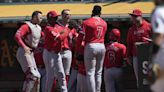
(54, 35)
(158, 39)
(115, 53)
(141, 29)
(66, 49)
(28, 37)
(72, 83)
(81, 76)
(93, 33)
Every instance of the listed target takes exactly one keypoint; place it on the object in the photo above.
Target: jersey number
(99, 30)
(111, 56)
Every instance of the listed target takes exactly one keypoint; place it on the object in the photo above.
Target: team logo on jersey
(141, 31)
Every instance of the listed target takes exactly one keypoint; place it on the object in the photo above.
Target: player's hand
(27, 50)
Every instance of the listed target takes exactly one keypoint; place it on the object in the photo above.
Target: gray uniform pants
(66, 59)
(42, 72)
(54, 69)
(112, 77)
(94, 58)
(81, 83)
(72, 82)
(28, 65)
(135, 67)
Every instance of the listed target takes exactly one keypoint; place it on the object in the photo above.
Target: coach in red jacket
(139, 32)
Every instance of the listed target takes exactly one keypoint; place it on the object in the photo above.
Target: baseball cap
(52, 14)
(136, 12)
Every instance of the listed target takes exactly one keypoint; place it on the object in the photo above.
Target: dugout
(116, 15)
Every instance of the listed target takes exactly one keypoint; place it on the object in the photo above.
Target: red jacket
(136, 34)
(54, 37)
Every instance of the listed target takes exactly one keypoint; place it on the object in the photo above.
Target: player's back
(95, 29)
(115, 52)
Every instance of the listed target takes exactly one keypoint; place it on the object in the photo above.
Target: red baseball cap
(136, 12)
(52, 14)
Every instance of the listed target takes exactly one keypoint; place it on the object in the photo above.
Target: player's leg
(49, 65)
(106, 79)
(72, 81)
(99, 65)
(109, 80)
(67, 59)
(33, 78)
(59, 70)
(78, 89)
(32, 75)
(83, 81)
(117, 74)
(135, 67)
(90, 64)
(37, 83)
(43, 78)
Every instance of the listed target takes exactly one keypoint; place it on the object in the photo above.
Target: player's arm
(21, 32)
(64, 34)
(81, 35)
(54, 34)
(124, 54)
(42, 37)
(74, 33)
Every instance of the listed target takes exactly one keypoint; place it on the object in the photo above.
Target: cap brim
(56, 16)
(131, 14)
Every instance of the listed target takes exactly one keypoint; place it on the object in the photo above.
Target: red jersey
(115, 53)
(54, 38)
(94, 29)
(137, 34)
(25, 36)
(38, 54)
(67, 42)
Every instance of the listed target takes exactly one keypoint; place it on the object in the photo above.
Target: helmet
(115, 35)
